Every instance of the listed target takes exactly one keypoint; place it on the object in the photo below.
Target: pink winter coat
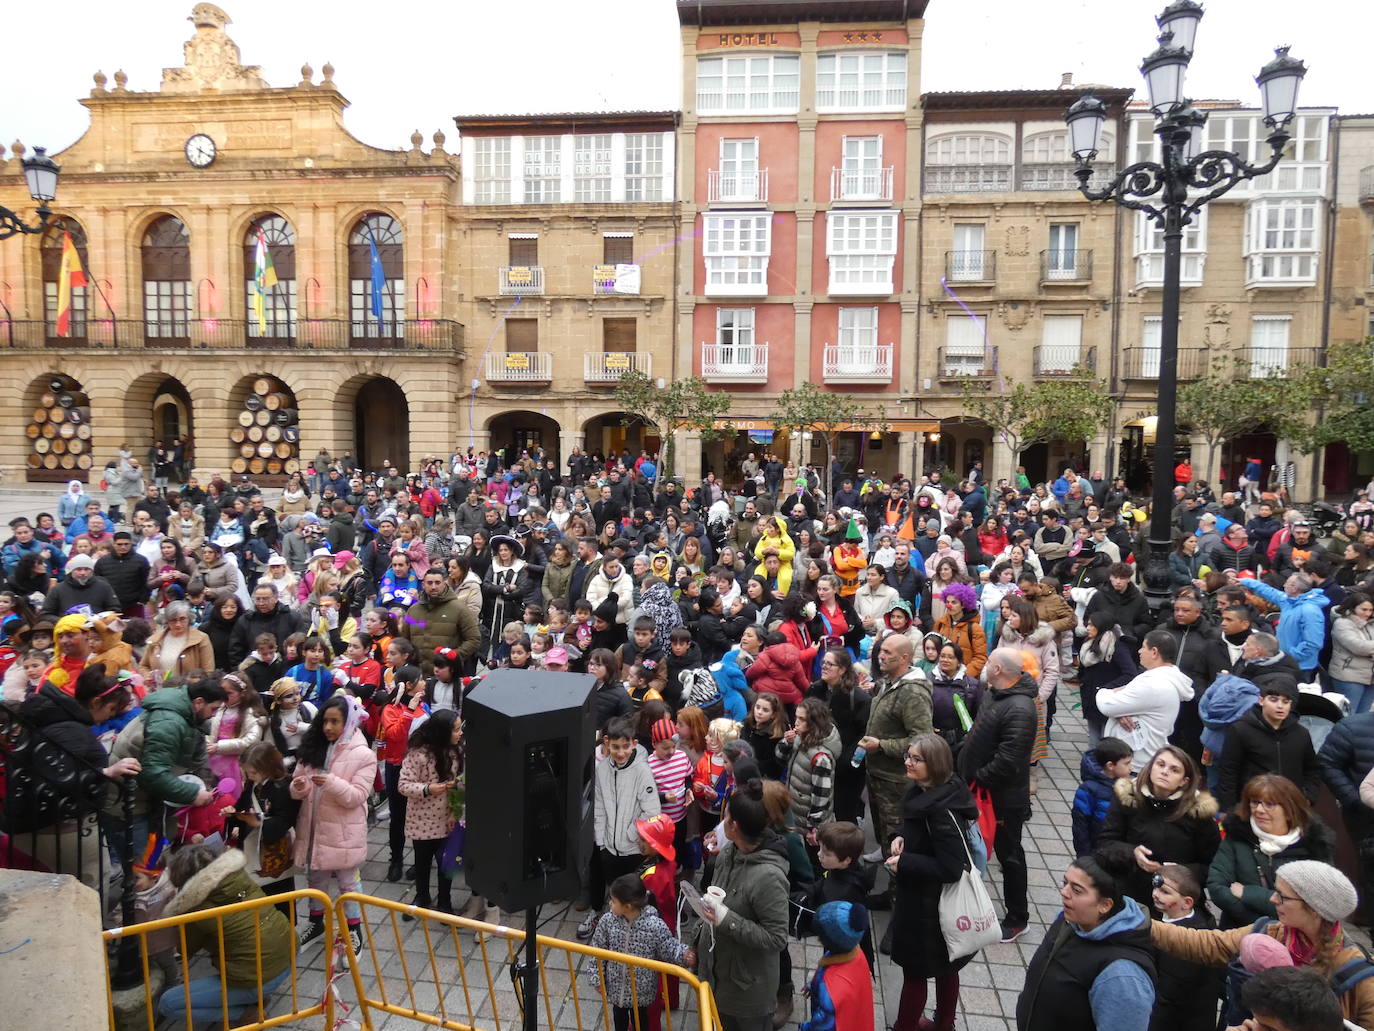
(331, 831)
(778, 668)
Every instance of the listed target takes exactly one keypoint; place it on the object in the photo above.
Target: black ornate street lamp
(40, 173)
(1170, 192)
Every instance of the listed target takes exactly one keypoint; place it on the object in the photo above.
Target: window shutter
(522, 335)
(618, 250)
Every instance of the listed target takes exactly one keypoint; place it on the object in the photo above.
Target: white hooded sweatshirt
(1152, 700)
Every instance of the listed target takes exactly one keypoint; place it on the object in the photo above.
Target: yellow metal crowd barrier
(440, 970)
(241, 1017)
(437, 985)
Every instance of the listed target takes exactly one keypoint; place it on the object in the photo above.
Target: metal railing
(218, 334)
(609, 366)
(971, 266)
(519, 367)
(858, 363)
(1066, 266)
(1276, 361)
(284, 1004)
(960, 365)
(861, 183)
(968, 178)
(739, 363)
(736, 187)
(1063, 359)
(1143, 363)
(520, 280)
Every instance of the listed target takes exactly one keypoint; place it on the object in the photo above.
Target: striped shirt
(670, 777)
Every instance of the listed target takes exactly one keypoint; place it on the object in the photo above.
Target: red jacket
(779, 669)
(841, 994)
(801, 639)
(393, 731)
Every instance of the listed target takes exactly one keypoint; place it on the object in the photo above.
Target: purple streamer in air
(1001, 383)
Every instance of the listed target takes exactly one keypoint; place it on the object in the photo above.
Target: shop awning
(748, 424)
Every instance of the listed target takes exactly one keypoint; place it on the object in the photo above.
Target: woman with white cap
(1312, 898)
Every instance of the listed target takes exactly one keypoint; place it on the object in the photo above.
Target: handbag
(968, 920)
(275, 859)
(451, 855)
(987, 816)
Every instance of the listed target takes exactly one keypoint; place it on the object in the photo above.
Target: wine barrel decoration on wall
(59, 432)
(266, 434)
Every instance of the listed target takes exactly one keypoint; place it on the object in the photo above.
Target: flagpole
(92, 281)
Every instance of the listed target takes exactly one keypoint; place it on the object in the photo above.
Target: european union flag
(378, 278)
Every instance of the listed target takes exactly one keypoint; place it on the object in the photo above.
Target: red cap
(662, 730)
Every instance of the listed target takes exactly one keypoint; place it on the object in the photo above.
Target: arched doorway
(1044, 462)
(381, 425)
(171, 411)
(157, 407)
(608, 434)
(520, 431)
(1138, 452)
(956, 446)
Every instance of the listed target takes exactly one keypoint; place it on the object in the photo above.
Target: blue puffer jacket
(1228, 699)
(1346, 758)
(730, 679)
(1302, 622)
(1090, 803)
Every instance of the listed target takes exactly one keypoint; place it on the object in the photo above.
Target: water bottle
(859, 756)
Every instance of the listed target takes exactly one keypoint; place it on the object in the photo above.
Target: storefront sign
(749, 39)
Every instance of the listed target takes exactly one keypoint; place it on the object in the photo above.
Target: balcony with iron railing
(300, 334)
(971, 266)
(858, 363)
(521, 281)
(1365, 187)
(959, 364)
(861, 184)
(1265, 362)
(1142, 363)
(609, 366)
(743, 187)
(519, 367)
(1063, 359)
(734, 363)
(968, 179)
(1066, 266)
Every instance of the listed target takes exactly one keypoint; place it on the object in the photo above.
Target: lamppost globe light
(1278, 82)
(1195, 122)
(1181, 19)
(1085, 119)
(40, 173)
(1164, 71)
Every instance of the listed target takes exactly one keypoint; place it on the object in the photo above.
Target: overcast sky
(407, 64)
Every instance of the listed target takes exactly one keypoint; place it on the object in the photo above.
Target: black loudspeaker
(529, 737)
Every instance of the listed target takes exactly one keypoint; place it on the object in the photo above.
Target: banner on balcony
(519, 275)
(603, 278)
(627, 279)
(520, 361)
(616, 361)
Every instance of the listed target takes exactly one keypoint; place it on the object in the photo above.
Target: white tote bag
(967, 918)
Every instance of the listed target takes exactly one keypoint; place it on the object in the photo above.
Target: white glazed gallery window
(862, 247)
(736, 250)
(872, 81)
(592, 168)
(1149, 250)
(759, 85)
(543, 169)
(644, 166)
(492, 175)
(1281, 241)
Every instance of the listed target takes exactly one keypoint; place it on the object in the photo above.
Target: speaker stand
(530, 970)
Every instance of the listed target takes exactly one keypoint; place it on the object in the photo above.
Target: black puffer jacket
(95, 593)
(997, 751)
(127, 576)
(58, 718)
(1345, 760)
(933, 855)
(1223, 556)
(1254, 747)
(1196, 644)
(1128, 609)
(1137, 818)
(281, 622)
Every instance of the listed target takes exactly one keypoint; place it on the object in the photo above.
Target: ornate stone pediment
(212, 59)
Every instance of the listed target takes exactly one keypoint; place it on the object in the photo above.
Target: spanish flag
(69, 276)
(264, 278)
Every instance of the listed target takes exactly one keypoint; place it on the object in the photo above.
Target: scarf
(1100, 649)
(292, 495)
(1273, 844)
(1301, 949)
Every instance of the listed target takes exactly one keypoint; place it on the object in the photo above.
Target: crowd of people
(785, 668)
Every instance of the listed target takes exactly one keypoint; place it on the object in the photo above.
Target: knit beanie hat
(662, 730)
(607, 609)
(840, 926)
(1326, 890)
